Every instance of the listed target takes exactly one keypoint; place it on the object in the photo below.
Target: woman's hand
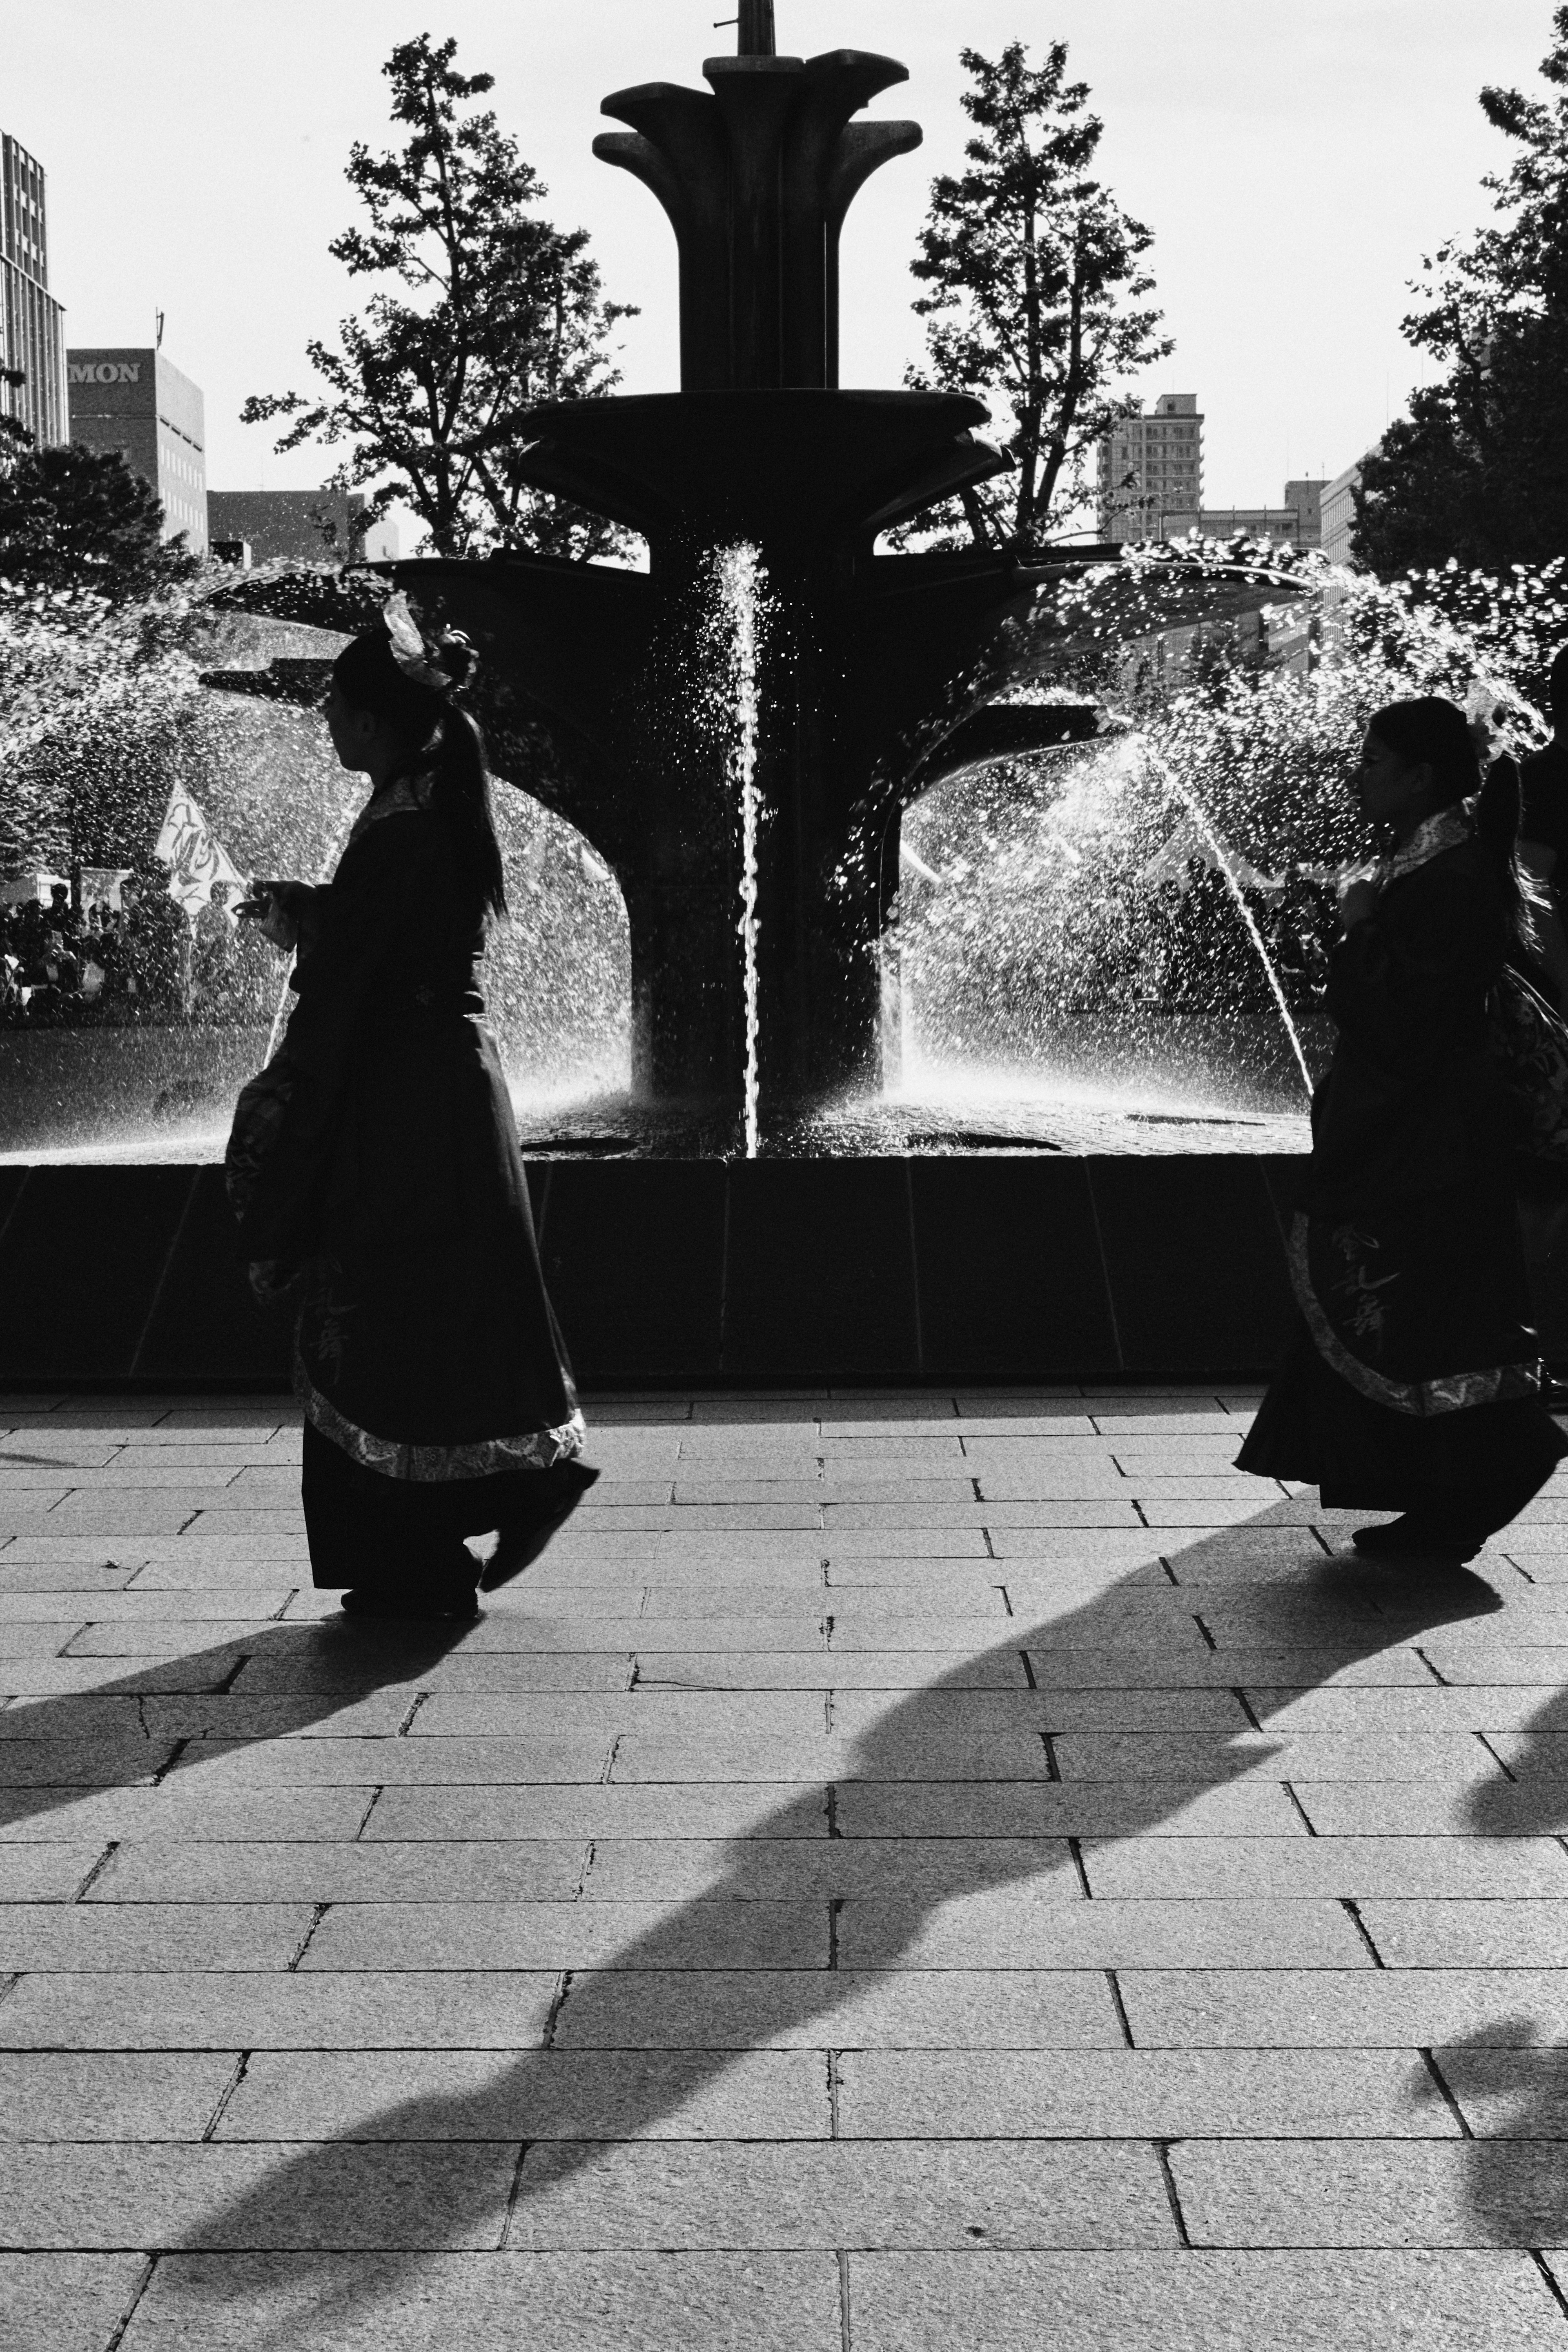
(271, 1280)
(1358, 904)
(268, 910)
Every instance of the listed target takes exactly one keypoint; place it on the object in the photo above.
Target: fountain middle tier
(876, 672)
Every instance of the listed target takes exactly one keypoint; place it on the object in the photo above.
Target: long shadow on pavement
(532, 2123)
(1512, 2086)
(135, 1729)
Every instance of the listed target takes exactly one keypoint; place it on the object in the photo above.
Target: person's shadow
(136, 1730)
(1508, 2077)
(434, 2170)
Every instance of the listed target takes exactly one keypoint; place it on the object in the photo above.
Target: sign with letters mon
(105, 370)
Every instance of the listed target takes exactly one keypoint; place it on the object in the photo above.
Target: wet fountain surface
(1074, 1122)
(1019, 1117)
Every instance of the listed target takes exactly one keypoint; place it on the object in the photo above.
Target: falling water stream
(1188, 799)
(741, 597)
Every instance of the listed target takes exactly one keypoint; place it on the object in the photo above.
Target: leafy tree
(1477, 470)
(74, 517)
(13, 434)
(499, 310)
(1038, 284)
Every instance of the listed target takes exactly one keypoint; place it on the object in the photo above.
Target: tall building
(32, 323)
(1339, 509)
(1152, 466)
(135, 403)
(305, 526)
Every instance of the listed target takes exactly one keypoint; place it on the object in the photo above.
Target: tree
(74, 517)
(1038, 287)
(13, 434)
(1477, 470)
(502, 311)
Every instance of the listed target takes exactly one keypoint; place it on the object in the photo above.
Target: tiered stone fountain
(877, 670)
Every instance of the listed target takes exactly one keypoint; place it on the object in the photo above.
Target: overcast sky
(1294, 157)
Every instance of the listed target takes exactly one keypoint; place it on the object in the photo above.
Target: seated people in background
(58, 915)
(213, 959)
(155, 940)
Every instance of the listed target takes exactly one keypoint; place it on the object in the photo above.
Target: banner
(193, 854)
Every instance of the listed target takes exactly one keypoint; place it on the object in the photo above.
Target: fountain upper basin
(810, 464)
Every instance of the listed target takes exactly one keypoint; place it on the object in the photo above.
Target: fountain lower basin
(963, 1268)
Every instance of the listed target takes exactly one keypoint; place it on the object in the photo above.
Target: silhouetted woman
(376, 1172)
(1413, 1385)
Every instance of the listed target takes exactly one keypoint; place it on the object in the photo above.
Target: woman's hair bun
(453, 653)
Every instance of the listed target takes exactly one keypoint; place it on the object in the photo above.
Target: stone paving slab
(1114, 2093)
(874, 2194)
(395, 2095)
(1200, 2303)
(539, 2302)
(111, 2096)
(197, 2009)
(1515, 2008)
(1393, 2192)
(72, 2303)
(902, 1872)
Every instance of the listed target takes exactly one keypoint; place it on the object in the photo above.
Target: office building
(1339, 510)
(298, 526)
(32, 323)
(1151, 468)
(137, 404)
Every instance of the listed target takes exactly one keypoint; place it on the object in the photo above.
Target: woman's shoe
(553, 1495)
(456, 1600)
(1416, 1536)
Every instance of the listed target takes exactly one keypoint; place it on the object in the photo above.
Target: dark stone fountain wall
(968, 1269)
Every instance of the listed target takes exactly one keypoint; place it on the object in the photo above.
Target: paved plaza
(903, 1873)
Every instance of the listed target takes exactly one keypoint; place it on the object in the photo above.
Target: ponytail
(461, 795)
(1499, 808)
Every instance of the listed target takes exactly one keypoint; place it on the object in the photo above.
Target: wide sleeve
(1404, 985)
(355, 947)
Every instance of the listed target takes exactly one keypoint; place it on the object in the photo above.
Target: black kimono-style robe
(1415, 1383)
(376, 1162)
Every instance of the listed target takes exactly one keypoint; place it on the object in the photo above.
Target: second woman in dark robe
(1414, 1382)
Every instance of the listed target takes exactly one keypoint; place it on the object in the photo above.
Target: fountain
(779, 783)
(862, 858)
(873, 674)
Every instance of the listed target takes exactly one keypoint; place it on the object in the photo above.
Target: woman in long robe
(375, 1172)
(1414, 1381)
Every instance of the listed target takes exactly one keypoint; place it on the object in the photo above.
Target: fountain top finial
(757, 36)
(756, 175)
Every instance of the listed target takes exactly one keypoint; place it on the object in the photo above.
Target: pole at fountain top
(758, 37)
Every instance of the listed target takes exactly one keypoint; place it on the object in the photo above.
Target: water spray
(1183, 793)
(742, 600)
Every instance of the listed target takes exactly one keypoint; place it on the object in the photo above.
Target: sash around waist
(424, 1007)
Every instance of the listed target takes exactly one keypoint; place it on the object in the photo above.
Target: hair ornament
(409, 650)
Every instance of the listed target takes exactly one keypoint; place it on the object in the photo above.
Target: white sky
(1294, 159)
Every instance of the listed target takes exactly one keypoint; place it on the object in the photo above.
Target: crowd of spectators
(68, 966)
(1180, 945)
